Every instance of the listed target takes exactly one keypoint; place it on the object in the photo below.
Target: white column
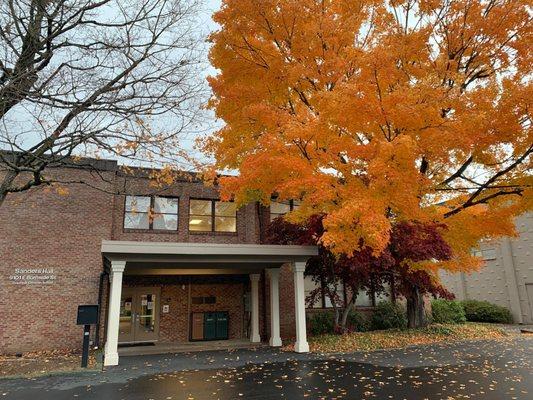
(301, 345)
(254, 279)
(275, 339)
(113, 318)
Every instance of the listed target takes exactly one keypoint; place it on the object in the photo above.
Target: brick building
(170, 264)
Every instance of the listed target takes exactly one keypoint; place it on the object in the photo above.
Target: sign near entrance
(32, 276)
(87, 315)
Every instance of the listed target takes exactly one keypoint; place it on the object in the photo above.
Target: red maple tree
(403, 265)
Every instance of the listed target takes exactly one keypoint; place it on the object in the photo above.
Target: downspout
(189, 313)
(259, 221)
(263, 289)
(100, 296)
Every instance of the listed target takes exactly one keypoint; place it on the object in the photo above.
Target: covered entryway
(197, 259)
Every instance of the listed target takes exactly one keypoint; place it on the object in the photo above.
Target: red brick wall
(286, 302)
(43, 229)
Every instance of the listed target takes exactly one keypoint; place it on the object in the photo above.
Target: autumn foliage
(377, 113)
(407, 266)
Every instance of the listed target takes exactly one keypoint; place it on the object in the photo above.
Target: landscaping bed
(388, 339)
(42, 363)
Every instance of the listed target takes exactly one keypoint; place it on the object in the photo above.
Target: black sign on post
(87, 316)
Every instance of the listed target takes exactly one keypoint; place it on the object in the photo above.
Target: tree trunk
(6, 184)
(416, 316)
(346, 312)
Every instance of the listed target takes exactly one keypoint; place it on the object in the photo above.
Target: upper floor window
(485, 254)
(212, 216)
(280, 208)
(151, 212)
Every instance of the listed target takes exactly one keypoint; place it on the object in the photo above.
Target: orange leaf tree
(375, 112)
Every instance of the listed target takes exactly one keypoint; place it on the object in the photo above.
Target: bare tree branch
(88, 76)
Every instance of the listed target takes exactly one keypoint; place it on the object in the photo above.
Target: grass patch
(390, 339)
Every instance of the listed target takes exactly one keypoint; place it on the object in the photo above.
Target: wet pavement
(469, 370)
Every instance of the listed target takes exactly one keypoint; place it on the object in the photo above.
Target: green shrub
(321, 323)
(388, 315)
(356, 322)
(447, 312)
(483, 311)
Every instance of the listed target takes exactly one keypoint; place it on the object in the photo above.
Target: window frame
(486, 254)
(290, 204)
(151, 213)
(373, 298)
(213, 218)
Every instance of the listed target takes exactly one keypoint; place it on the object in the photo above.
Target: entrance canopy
(201, 258)
(162, 258)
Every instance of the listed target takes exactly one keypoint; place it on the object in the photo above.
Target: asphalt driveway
(468, 370)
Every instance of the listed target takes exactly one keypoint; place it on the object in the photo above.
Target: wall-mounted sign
(32, 276)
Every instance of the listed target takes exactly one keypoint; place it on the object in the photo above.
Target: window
(212, 216)
(364, 299)
(165, 215)
(485, 254)
(200, 215)
(197, 300)
(340, 300)
(280, 208)
(386, 295)
(309, 286)
(204, 300)
(225, 216)
(322, 300)
(137, 212)
(146, 212)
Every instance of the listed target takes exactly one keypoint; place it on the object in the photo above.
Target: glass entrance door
(146, 321)
(125, 327)
(139, 315)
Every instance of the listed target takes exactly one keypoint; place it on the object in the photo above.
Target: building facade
(507, 277)
(165, 264)
(176, 264)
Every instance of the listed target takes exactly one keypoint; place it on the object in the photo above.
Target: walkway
(189, 347)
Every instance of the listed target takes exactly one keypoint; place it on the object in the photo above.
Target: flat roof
(204, 255)
(134, 247)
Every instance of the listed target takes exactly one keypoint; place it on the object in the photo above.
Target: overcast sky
(209, 124)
